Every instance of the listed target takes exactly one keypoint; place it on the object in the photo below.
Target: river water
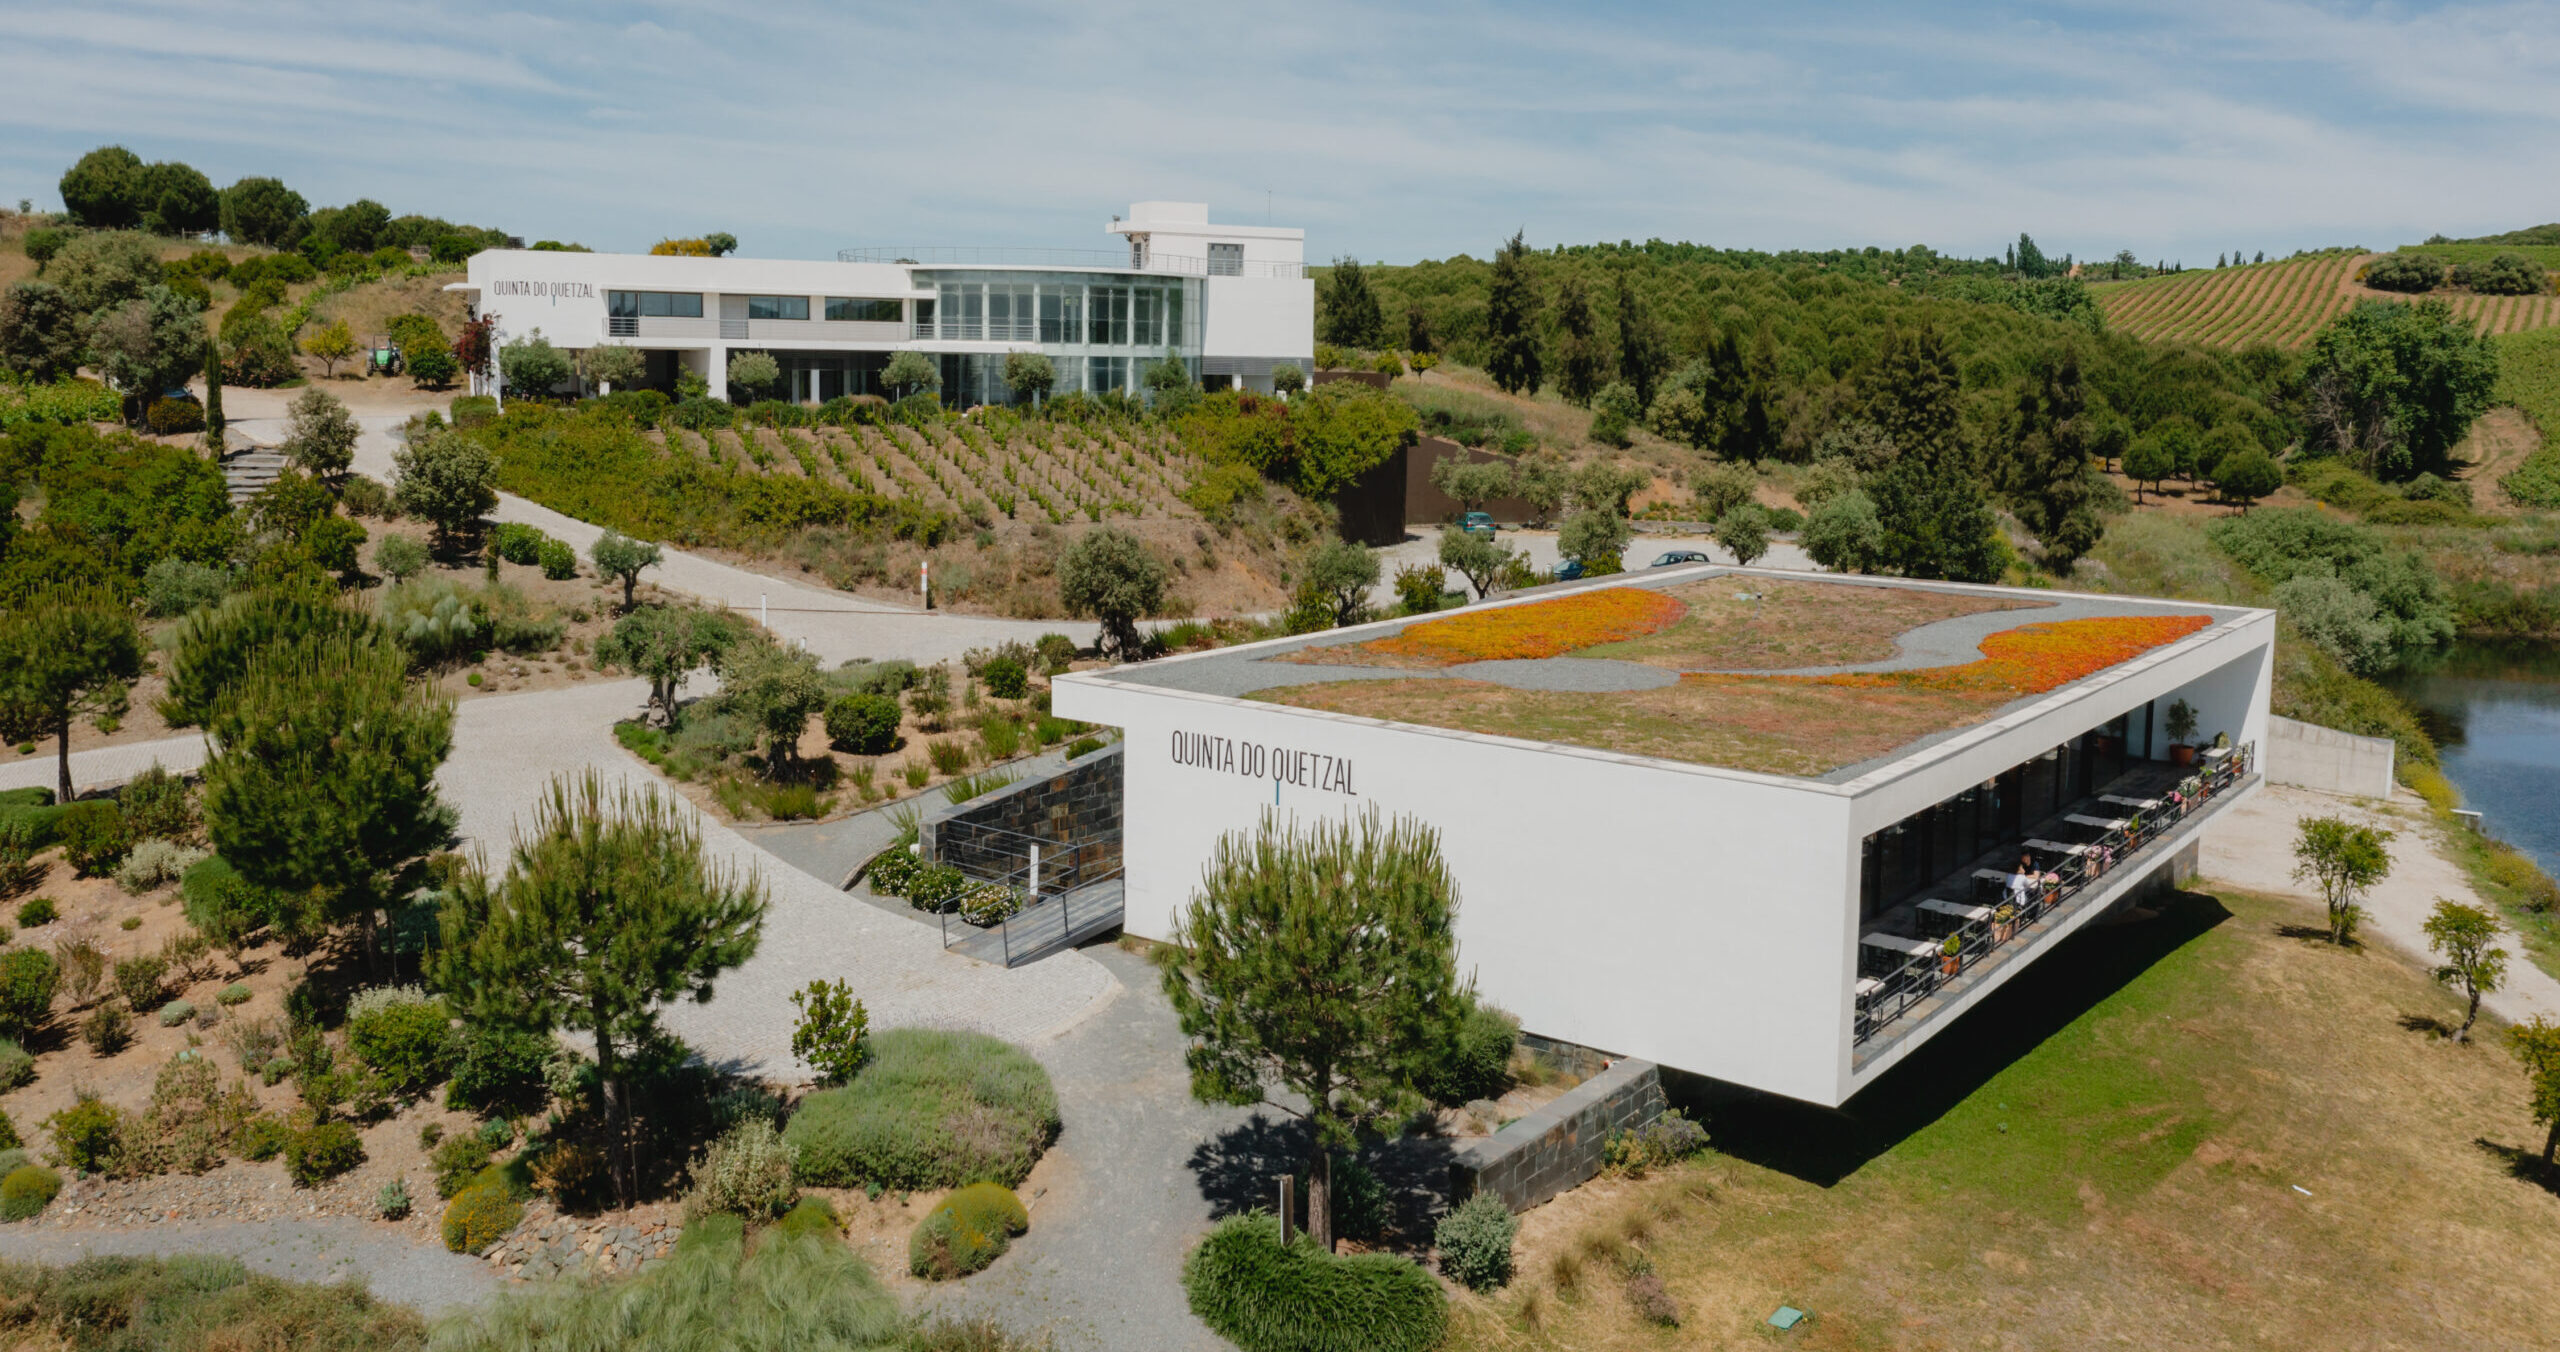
(2494, 709)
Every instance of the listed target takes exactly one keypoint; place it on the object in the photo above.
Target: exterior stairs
(248, 471)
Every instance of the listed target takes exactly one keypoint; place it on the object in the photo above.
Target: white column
(718, 372)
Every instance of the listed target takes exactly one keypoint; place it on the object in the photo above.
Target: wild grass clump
(792, 1291)
(1264, 1296)
(198, 1301)
(933, 1109)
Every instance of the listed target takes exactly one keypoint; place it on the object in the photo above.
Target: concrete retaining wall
(1077, 807)
(1561, 1145)
(2309, 756)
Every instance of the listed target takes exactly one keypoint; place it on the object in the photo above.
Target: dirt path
(2499, 442)
(2251, 846)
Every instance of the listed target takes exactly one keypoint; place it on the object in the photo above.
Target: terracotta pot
(1947, 964)
(2182, 755)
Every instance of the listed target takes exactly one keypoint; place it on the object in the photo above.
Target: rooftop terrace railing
(1118, 260)
(1959, 935)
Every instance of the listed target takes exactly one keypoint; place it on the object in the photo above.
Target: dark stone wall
(1077, 809)
(1424, 503)
(1561, 1145)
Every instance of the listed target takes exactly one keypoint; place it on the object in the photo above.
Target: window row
(654, 304)
(1050, 313)
(688, 305)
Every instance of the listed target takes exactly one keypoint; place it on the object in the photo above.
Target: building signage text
(1253, 760)
(553, 290)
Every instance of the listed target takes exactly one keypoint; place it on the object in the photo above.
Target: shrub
(832, 1032)
(936, 886)
(176, 1012)
(813, 1216)
(107, 1029)
(363, 496)
(1056, 652)
(933, 1109)
(27, 1191)
(140, 980)
(393, 1201)
(1665, 1140)
(1006, 679)
(172, 417)
(457, 1160)
(1475, 1240)
(1083, 746)
(559, 562)
(159, 805)
(862, 724)
(1477, 1063)
(232, 995)
(499, 1070)
(85, 1134)
(1264, 1296)
(893, 870)
(1653, 1301)
(321, 1152)
(262, 1137)
(409, 1040)
(27, 980)
(400, 558)
(155, 864)
(517, 542)
(17, 1065)
(746, 1173)
(37, 911)
(480, 1216)
(968, 1230)
(174, 586)
(94, 836)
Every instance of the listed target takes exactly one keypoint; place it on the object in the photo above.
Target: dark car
(1568, 570)
(1680, 556)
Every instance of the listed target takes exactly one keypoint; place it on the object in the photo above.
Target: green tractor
(382, 356)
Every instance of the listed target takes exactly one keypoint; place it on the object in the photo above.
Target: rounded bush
(814, 1216)
(17, 1065)
(933, 1109)
(1264, 1296)
(169, 417)
(1006, 679)
(85, 1134)
(409, 1041)
(1475, 1242)
(37, 911)
(262, 1136)
(968, 1230)
(27, 980)
(559, 562)
(176, 1012)
(321, 1152)
(27, 1191)
(864, 725)
(233, 994)
(892, 870)
(746, 1172)
(479, 1216)
(1477, 1061)
(936, 886)
(94, 837)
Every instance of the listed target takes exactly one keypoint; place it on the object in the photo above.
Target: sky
(1394, 133)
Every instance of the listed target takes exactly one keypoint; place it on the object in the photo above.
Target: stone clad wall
(1561, 1145)
(1079, 806)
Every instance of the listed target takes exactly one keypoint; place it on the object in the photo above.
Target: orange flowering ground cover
(2034, 658)
(1538, 629)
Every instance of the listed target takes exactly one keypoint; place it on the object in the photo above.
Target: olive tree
(909, 372)
(1473, 483)
(1112, 576)
(754, 374)
(532, 365)
(1744, 531)
(1474, 557)
(321, 435)
(445, 477)
(1030, 375)
(777, 689)
(1597, 538)
(2343, 859)
(608, 911)
(613, 364)
(1844, 535)
(1342, 572)
(1320, 961)
(148, 344)
(67, 654)
(329, 345)
(665, 644)
(618, 556)
(2466, 937)
(2537, 1044)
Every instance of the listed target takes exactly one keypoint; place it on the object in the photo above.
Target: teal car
(1477, 523)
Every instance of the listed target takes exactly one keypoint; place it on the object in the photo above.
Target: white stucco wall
(1259, 317)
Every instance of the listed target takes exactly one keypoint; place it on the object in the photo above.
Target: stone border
(1561, 1145)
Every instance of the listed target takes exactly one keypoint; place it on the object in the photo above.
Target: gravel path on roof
(1240, 677)
(1954, 642)
(1574, 675)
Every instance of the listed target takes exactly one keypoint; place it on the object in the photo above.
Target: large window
(1062, 314)
(777, 307)
(862, 311)
(1110, 318)
(1146, 318)
(1106, 373)
(1009, 313)
(1916, 852)
(654, 304)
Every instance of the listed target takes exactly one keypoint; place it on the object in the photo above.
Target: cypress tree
(213, 397)
(1935, 521)
(2052, 478)
(1581, 362)
(1351, 316)
(1644, 354)
(1511, 321)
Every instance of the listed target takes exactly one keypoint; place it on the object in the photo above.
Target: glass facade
(1099, 330)
(777, 307)
(862, 311)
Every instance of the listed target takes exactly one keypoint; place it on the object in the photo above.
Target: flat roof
(1819, 676)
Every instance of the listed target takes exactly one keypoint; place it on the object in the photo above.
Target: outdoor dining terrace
(1919, 958)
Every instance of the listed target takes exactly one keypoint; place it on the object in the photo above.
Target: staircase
(248, 471)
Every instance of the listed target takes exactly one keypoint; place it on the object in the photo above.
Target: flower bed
(1537, 629)
(2034, 658)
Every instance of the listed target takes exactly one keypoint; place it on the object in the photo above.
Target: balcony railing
(1117, 260)
(1899, 973)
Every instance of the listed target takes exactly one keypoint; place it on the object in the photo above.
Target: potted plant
(1949, 953)
(2182, 731)
(2004, 923)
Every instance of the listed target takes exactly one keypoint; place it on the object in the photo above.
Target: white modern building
(1785, 930)
(1232, 302)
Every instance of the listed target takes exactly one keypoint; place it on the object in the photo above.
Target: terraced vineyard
(1040, 472)
(2282, 303)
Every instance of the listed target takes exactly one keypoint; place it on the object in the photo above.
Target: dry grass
(1741, 722)
(2189, 1132)
(1794, 624)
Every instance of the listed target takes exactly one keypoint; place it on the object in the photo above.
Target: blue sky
(1413, 131)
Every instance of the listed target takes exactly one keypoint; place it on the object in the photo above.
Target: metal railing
(1994, 914)
(1047, 914)
(1117, 260)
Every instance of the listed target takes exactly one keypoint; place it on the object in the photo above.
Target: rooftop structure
(1726, 820)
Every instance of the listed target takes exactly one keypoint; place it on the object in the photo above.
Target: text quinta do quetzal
(1253, 760)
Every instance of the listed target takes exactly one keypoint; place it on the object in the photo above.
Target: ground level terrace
(1680, 805)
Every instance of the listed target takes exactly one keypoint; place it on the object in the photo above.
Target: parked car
(1568, 570)
(1477, 523)
(1680, 556)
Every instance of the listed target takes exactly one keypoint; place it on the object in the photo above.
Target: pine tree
(1644, 353)
(1582, 364)
(2052, 476)
(1351, 316)
(1322, 962)
(1511, 321)
(65, 654)
(1935, 520)
(608, 911)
